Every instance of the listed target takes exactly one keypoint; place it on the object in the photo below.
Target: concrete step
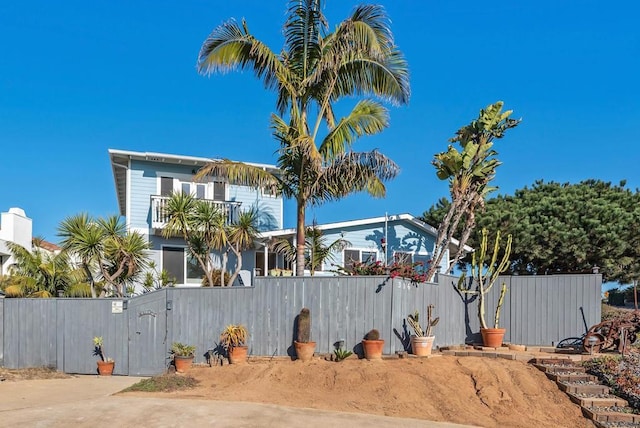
(616, 414)
(554, 361)
(583, 388)
(571, 377)
(563, 368)
(598, 401)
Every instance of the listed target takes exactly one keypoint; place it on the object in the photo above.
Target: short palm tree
(201, 225)
(317, 251)
(104, 247)
(205, 229)
(242, 234)
(316, 69)
(38, 273)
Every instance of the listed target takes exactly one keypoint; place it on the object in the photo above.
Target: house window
(166, 186)
(350, 256)
(270, 191)
(423, 259)
(198, 190)
(195, 273)
(173, 262)
(402, 258)
(219, 191)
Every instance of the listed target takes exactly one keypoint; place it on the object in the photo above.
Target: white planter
(421, 346)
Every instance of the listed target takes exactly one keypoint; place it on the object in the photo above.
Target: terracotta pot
(105, 368)
(238, 354)
(492, 337)
(183, 364)
(304, 350)
(421, 346)
(373, 349)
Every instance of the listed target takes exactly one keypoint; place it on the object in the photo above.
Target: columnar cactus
(485, 277)
(304, 326)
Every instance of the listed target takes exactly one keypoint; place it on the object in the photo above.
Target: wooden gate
(148, 349)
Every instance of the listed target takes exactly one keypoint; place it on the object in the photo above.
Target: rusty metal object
(615, 334)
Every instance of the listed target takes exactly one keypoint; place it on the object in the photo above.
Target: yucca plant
(182, 350)
(234, 335)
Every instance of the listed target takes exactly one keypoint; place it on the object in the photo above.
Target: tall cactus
(485, 277)
(304, 326)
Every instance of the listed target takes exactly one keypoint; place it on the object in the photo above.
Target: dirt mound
(466, 390)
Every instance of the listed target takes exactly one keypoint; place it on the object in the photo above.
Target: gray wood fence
(138, 335)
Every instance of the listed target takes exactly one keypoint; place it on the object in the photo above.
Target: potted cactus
(182, 356)
(233, 340)
(105, 365)
(485, 269)
(422, 340)
(303, 345)
(372, 345)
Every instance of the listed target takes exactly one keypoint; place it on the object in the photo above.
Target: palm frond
(238, 173)
(367, 118)
(230, 46)
(356, 171)
(303, 31)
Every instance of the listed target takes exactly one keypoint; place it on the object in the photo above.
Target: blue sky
(80, 77)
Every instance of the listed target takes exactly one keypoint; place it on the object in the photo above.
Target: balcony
(159, 217)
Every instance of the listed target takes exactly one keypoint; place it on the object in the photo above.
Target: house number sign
(116, 307)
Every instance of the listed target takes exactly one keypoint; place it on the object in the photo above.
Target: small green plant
(341, 354)
(234, 335)
(181, 350)
(372, 335)
(98, 349)
(304, 326)
(414, 322)
(163, 383)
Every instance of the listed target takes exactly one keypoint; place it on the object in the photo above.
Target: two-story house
(144, 182)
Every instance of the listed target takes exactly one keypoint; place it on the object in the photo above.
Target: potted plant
(421, 340)
(373, 345)
(485, 270)
(182, 356)
(304, 347)
(233, 339)
(105, 365)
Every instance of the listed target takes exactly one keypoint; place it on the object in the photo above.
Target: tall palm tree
(316, 69)
(105, 247)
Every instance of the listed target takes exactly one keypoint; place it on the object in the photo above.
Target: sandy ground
(465, 390)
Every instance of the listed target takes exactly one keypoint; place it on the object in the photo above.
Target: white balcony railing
(159, 217)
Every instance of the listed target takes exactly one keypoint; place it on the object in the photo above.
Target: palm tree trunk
(223, 268)
(238, 255)
(92, 282)
(300, 239)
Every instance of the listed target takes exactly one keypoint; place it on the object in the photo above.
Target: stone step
(554, 361)
(571, 377)
(596, 401)
(563, 368)
(583, 388)
(622, 414)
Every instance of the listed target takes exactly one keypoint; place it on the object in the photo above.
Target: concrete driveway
(88, 401)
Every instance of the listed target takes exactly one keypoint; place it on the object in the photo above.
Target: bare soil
(30, 374)
(466, 390)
